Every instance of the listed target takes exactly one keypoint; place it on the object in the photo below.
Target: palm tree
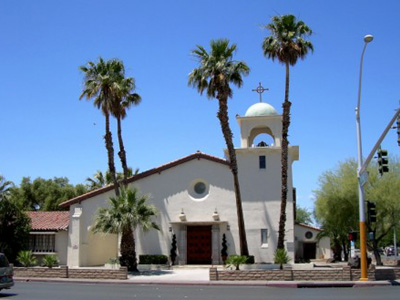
(101, 82)
(124, 101)
(5, 187)
(216, 71)
(127, 212)
(100, 180)
(286, 44)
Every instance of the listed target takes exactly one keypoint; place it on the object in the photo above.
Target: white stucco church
(195, 199)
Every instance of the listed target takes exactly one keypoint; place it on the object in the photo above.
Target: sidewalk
(200, 276)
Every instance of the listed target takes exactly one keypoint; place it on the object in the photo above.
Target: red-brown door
(199, 245)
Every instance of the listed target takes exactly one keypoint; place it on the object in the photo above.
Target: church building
(195, 199)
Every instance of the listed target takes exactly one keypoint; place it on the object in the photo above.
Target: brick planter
(288, 274)
(65, 272)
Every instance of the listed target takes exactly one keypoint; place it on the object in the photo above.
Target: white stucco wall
(62, 246)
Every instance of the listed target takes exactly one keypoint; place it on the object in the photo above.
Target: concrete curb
(276, 284)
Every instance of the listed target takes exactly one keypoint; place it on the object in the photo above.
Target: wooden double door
(199, 248)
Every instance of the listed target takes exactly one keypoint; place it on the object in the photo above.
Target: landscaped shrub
(236, 261)
(26, 258)
(172, 254)
(281, 257)
(50, 260)
(153, 259)
(250, 259)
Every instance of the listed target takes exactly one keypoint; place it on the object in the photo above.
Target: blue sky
(46, 131)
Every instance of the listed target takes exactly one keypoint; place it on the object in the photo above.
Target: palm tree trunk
(122, 153)
(110, 151)
(224, 121)
(128, 252)
(284, 160)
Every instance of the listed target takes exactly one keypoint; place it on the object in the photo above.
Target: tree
(14, 229)
(303, 216)
(100, 180)
(45, 194)
(216, 71)
(126, 213)
(5, 187)
(102, 83)
(124, 100)
(286, 44)
(336, 205)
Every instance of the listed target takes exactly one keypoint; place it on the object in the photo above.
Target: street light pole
(361, 176)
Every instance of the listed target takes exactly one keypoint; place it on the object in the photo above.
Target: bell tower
(259, 166)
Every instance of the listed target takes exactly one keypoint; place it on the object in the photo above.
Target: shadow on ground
(152, 273)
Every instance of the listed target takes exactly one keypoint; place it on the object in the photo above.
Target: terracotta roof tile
(49, 220)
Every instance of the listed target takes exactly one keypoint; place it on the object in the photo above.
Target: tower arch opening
(261, 134)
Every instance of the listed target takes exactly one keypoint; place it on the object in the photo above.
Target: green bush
(26, 258)
(281, 257)
(153, 259)
(250, 259)
(236, 261)
(50, 261)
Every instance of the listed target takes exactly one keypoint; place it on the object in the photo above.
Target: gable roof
(49, 220)
(198, 155)
(308, 226)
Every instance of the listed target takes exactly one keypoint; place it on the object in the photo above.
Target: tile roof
(308, 226)
(49, 220)
(198, 155)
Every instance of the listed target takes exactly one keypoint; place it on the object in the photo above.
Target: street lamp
(362, 176)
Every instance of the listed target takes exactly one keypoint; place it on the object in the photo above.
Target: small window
(309, 235)
(264, 237)
(200, 188)
(42, 243)
(262, 162)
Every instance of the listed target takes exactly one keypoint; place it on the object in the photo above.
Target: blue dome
(260, 109)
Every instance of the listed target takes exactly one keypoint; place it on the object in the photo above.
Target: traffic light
(383, 161)
(398, 130)
(353, 235)
(371, 209)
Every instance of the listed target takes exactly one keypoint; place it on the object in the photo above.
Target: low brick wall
(65, 272)
(60, 272)
(120, 273)
(288, 274)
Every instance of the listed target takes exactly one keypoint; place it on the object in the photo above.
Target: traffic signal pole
(362, 166)
(362, 180)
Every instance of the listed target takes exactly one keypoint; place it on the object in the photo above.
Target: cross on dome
(260, 89)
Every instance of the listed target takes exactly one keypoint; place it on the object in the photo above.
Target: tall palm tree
(287, 44)
(101, 82)
(216, 71)
(126, 212)
(6, 187)
(125, 99)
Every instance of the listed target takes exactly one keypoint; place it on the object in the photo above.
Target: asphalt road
(68, 291)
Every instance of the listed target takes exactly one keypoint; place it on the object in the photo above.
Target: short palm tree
(101, 82)
(286, 44)
(126, 212)
(216, 71)
(6, 187)
(125, 99)
(97, 181)
(100, 180)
